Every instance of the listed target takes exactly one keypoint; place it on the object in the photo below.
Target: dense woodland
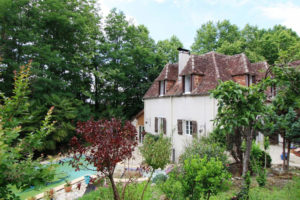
(87, 65)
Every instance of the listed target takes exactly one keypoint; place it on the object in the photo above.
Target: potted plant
(49, 195)
(68, 186)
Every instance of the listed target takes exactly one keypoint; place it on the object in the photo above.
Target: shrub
(159, 178)
(258, 156)
(205, 147)
(172, 187)
(262, 177)
(203, 177)
(244, 193)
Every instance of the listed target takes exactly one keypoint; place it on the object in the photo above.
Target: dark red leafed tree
(103, 144)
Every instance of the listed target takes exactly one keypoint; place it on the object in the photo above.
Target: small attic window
(162, 90)
(187, 84)
(250, 80)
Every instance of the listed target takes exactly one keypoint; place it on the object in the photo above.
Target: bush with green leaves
(261, 177)
(172, 187)
(17, 166)
(156, 152)
(159, 178)
(203, 177)
(259, 160)
(244, 192)
(204, 147)
(258, 157)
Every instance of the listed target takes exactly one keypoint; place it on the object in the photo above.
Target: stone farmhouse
(178, 103)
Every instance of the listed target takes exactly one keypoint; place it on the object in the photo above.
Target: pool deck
(60, 194)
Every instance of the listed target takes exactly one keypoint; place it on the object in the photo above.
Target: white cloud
(160, 1)
(228, 2)
(287, 13)
(105, 8)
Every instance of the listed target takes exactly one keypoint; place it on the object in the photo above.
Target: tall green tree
(127, 63)
(212, 36)
(270, 45)
(284, 119)
(167, 49)
(206, 38)
(60, 37)
(241, 109)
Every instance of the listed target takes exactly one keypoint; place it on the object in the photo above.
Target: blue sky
(182, 18)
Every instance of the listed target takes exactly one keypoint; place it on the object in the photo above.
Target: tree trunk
(208, 196)
(115, 190)
(142, 197)
(265, 159)
(96, 93)
(246, 159)
(283, 152)
(288, 154)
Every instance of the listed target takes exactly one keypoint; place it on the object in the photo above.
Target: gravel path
(275, 152)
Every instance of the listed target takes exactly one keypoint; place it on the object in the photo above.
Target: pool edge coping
(77, 180)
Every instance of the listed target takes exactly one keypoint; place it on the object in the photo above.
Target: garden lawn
(291, 191)
(133, 192)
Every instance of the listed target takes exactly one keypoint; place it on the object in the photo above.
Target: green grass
(290, 191)
(133, 192)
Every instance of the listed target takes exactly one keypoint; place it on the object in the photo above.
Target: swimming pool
(64, 172)
(71, 173)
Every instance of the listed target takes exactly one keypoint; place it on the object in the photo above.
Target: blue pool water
(70, 172)
(66, 172)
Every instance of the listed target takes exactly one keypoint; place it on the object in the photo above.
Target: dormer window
(273, 91)
(162, 89)
(187, 84)
(250, 80)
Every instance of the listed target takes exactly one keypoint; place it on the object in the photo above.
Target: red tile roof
(212, 67)
(294, 63)
(169, 72)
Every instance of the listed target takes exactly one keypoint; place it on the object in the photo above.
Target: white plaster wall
(196, 108)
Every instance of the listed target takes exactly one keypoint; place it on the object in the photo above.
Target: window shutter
(179, 126)
(156, 125)
(165, 125)
(164, 87)
(183, 84)
(253, 79)
(194, 128)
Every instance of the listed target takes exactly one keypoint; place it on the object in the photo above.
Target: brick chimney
(183, 57)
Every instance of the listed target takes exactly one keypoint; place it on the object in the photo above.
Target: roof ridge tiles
(167, 71)
(216, 66)
(245, 63)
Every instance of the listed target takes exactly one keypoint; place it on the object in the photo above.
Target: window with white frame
(161, 88)
(160, 125)
(141, 134)
(188, 128)
(187, 84)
